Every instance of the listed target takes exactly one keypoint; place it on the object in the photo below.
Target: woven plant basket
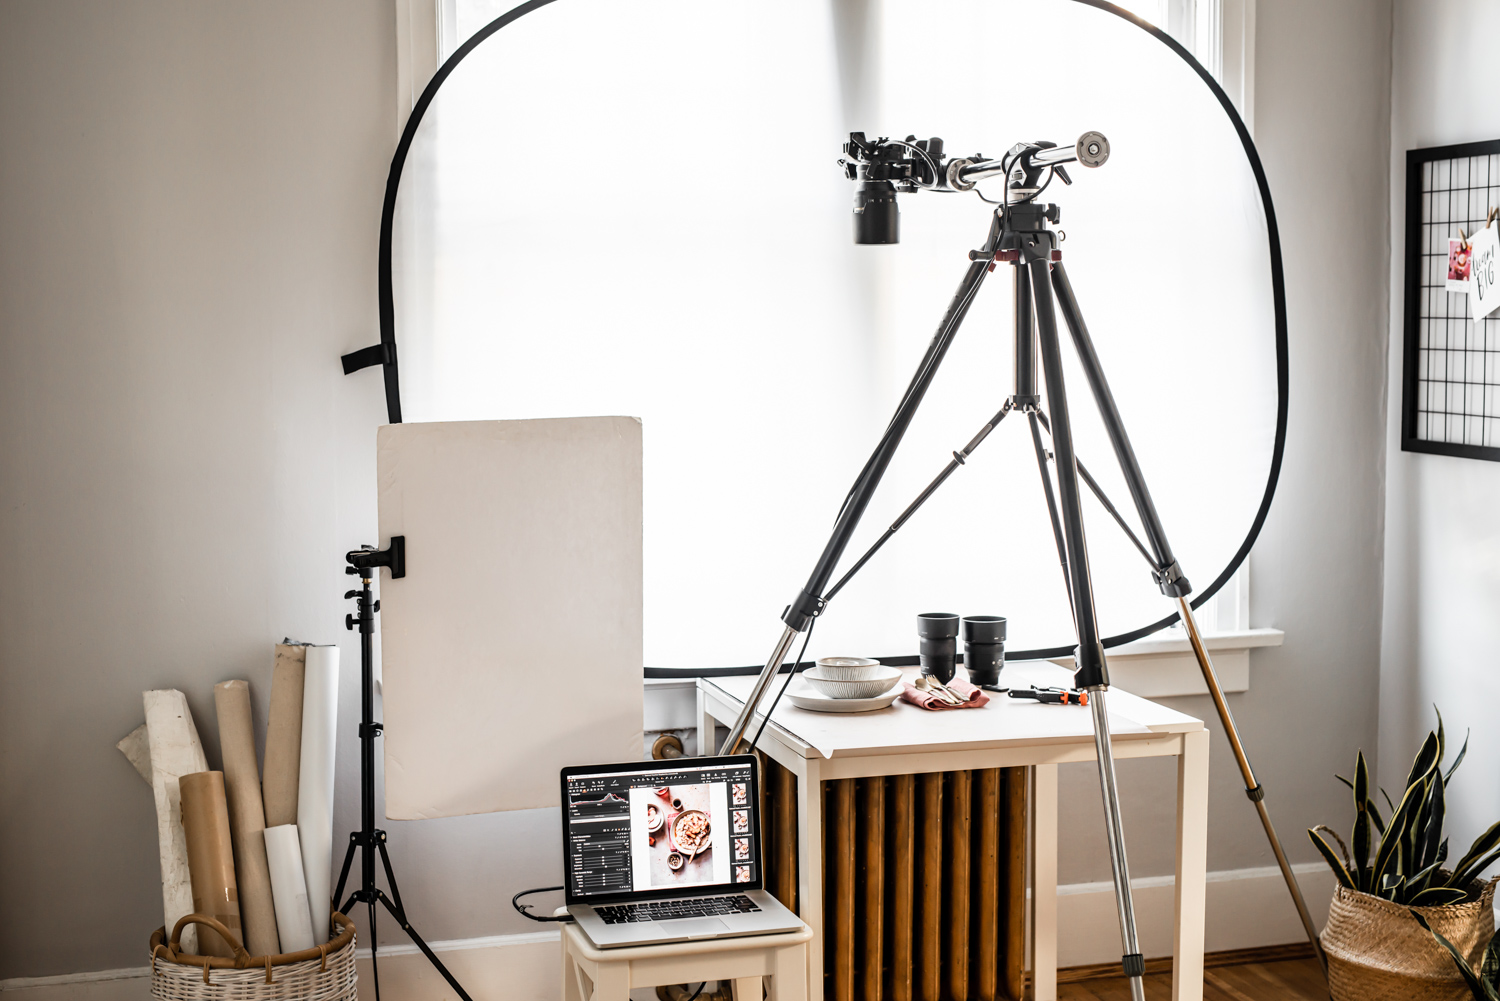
(1377, 951)
(324, 973)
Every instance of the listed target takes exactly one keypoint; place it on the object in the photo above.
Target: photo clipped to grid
(1451, 374)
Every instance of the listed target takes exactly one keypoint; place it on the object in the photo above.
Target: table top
(1004, 722)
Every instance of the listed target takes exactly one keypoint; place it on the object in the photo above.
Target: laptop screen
(660, 829)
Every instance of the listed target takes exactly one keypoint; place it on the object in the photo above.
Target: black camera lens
(984, 648)
(876, 218)
(938, 647)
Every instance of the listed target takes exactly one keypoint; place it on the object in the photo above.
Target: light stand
(368, 840)
(1019, 234)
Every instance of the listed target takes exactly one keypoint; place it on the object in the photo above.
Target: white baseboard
(1247, 908)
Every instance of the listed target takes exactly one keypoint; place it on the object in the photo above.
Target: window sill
(1163, 665)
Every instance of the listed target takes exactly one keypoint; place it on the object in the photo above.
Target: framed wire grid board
(1451, 371)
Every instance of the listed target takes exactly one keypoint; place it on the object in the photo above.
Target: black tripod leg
(411, 933)
(1092, 672)
(390, 876)
(344, 874)
(1173, 583)
(374, 962)
(1057, 532)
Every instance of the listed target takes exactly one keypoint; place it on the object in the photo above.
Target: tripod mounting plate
(366, 560)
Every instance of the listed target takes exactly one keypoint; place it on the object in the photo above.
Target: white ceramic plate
(804, 696)
(876, 684)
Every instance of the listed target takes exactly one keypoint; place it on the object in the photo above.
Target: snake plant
(1484, 983)
(1409, 857)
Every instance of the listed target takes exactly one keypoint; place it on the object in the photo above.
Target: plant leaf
(1394, 844)
(1474, 869)
(1477, 987)
(1425, 761)
(1339, 871)
(1436, 896)
(1458, 760)
(1433, 836)
(1418, 883)
(1394, 888)
(1489, 970)
(1388, 804)
(1442, 741)
(1412, 862)
(1361, 834)
(1483, 845)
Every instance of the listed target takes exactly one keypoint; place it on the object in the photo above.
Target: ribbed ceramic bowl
(865, 688)
(849, 668)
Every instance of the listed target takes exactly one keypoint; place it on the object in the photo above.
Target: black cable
(698, 991)
(525, 909)
(789, 676)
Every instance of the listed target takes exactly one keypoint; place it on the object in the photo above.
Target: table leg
(810, 868)
(706, 725)
(1044, 883)
(789, 978)
(571, 989)
(746, 989)
(1192, 865)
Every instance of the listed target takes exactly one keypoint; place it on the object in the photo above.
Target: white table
(1004, 734)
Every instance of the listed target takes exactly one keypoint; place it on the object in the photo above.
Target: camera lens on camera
(877, 220)
(938, 647)
(984, 648)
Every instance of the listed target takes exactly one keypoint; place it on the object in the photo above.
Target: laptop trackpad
(694, 927)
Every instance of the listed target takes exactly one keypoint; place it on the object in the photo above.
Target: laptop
(667, 851)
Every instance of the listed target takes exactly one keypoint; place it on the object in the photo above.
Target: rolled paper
(205, 821)
(136, 746)
(284, 736)
(288, 888)
(247, 817)
(175, 752)
(320, 711)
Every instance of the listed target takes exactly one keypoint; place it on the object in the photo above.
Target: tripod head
(884, 167)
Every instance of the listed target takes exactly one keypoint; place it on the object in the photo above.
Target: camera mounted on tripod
(885, 167)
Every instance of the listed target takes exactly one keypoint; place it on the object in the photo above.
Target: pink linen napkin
(928, 700)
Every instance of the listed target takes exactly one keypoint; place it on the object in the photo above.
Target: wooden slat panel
(929, 886)
(871, 938)
(958, 803)
(901, 836)
(838, 899)
(984, 970)
(781, 854)
(1014, 883)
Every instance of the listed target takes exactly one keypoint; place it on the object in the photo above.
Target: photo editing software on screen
(661, 829)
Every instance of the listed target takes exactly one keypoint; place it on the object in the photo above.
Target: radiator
(923, 882)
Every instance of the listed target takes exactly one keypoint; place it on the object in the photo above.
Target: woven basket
(1377, 951)
(324, 973)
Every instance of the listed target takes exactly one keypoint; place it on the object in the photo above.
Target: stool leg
(570, 986)
(611, 982)
(789, 979)
(748, 989)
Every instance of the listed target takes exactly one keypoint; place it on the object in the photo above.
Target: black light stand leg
(369, 840)
(1170, 578)
(1092, 672)
(1057, 532)
(810, 601)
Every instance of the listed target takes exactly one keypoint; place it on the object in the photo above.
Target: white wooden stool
(593, 974)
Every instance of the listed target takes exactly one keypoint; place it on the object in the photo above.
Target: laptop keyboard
(666, 910)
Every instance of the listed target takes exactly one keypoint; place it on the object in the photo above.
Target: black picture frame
(1416, 220)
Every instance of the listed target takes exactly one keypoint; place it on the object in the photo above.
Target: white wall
(1441, 637)
(189, 198)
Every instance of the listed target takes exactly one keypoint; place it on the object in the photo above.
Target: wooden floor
(1288, 980)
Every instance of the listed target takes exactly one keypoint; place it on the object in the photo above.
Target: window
(619, 206)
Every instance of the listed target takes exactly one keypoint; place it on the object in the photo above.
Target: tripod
(368, 840)
(1020, 235)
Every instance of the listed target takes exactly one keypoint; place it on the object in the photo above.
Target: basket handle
(241, 957)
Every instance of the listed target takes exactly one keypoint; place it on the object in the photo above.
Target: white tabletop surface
(1004, 722)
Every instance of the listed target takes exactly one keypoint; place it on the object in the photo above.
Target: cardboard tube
(247, 817)
(284, 736)
(205, 821)
(320, 714)
(174, 751)
(288, 888)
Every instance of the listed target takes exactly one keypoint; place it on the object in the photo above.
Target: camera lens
(938, 649)
(876, 218)
(984, 648)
